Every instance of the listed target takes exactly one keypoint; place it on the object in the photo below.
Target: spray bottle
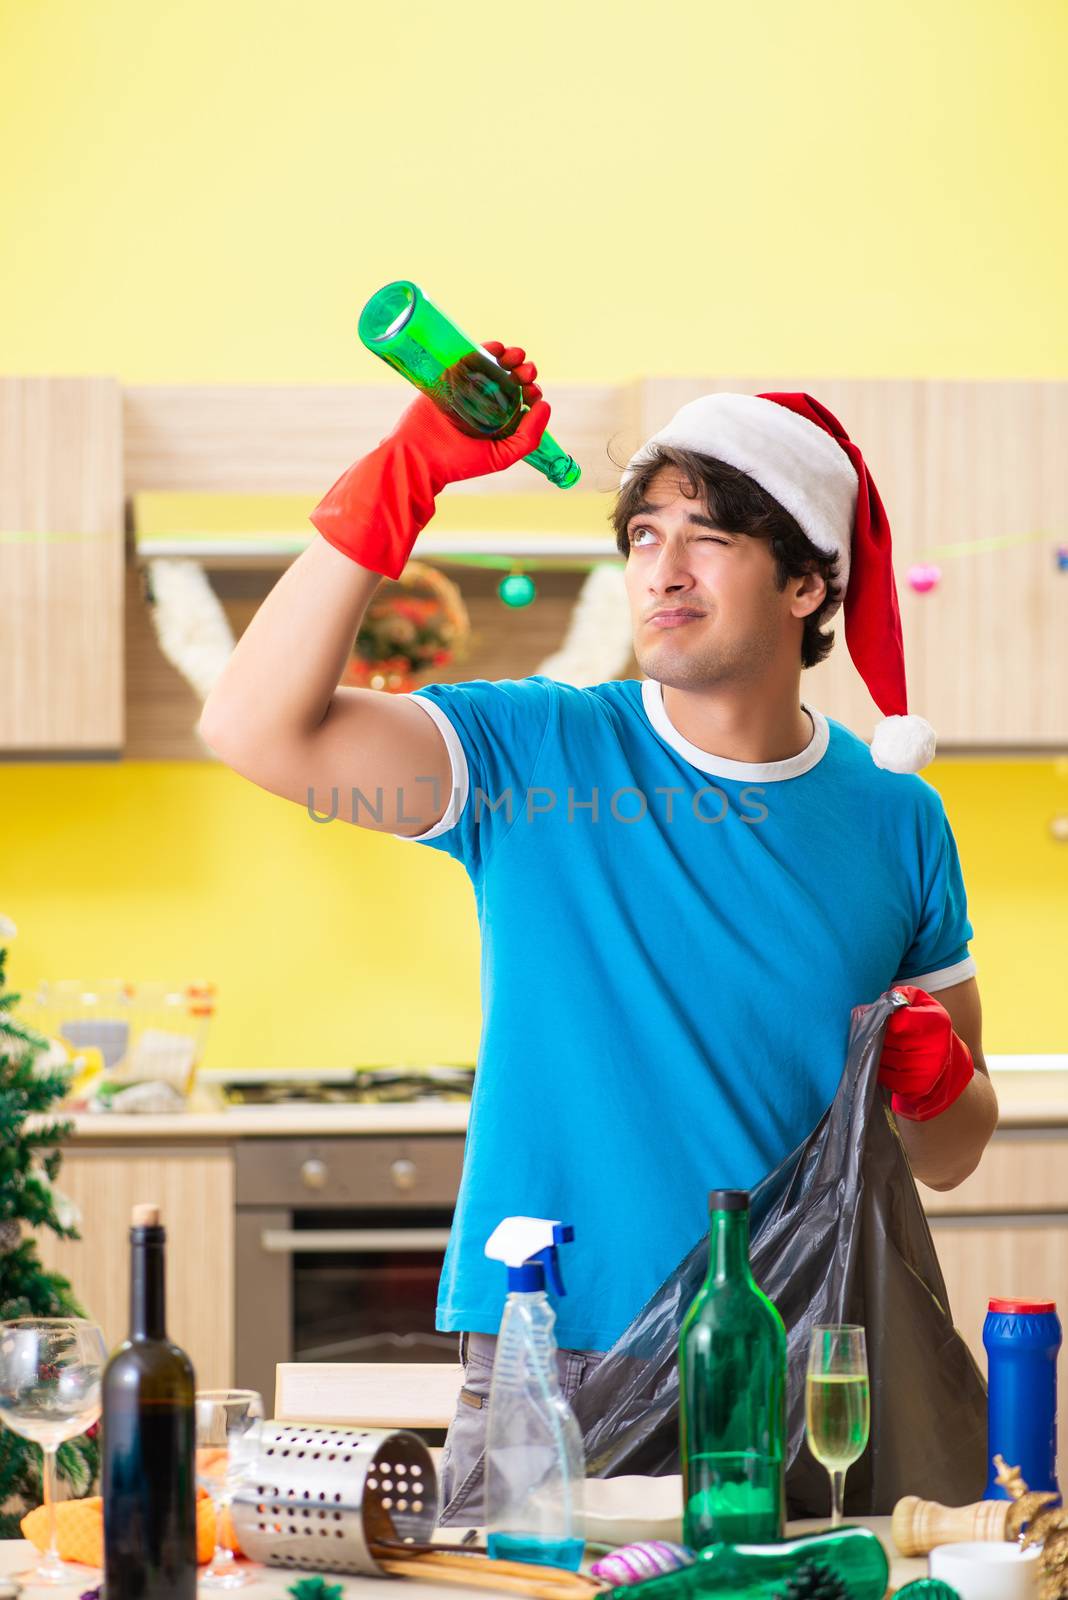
(535, 1461)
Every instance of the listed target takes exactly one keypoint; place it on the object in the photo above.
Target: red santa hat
(800, 453)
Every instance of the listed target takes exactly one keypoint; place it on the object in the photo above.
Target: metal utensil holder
(321, 1497)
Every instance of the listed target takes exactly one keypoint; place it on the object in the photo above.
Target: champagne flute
(50, 1371)
(837, 1406)
(229, 1422)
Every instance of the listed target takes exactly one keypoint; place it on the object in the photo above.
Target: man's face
(680, 561)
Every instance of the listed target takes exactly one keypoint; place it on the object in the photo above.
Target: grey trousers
(460, 1471)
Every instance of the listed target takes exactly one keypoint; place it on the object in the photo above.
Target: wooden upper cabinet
(971, 474)
(61, 565)
(992, 476)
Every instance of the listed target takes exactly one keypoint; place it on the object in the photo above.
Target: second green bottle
(732, 1394)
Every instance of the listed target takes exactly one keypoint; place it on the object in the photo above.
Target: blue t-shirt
(672, 944)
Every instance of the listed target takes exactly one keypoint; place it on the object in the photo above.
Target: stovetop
(399, 1084)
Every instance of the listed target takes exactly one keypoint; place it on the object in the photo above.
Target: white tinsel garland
(193, 629)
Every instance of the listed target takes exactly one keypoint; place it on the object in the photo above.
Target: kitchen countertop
(205, 1120)
(1028, 1097)
(16, 1554)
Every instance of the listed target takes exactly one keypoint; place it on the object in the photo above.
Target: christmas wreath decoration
(412, 624)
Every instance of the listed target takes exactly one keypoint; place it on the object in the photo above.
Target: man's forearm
(946, 1150)
(287, 664)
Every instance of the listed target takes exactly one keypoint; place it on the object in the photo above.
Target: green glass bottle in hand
(732, 1394)
(406, 330)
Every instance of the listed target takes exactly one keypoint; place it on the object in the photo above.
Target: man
(684, 885)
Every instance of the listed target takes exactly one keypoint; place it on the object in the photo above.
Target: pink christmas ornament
(634, 1563)
(924, 577)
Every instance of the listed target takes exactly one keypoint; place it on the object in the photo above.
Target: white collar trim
(720, 766)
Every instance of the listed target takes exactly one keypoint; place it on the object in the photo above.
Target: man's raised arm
(277, 714)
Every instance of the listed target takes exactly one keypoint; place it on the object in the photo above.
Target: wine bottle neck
(147, 1298)
(728, 1256)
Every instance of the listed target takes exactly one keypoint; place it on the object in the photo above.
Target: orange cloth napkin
(80, 1529)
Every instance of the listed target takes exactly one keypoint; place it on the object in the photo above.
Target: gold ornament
(1046, 1526)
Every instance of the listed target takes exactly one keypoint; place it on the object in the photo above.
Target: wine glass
(837, 1406)
(50, 1371)
(229, 1422)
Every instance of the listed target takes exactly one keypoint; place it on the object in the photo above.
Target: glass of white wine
(50, 1370)
(837, 1404)
(229, 1425)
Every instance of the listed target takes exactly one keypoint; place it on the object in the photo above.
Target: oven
(339, 1246)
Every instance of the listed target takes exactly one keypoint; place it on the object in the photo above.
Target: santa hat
(796, 450)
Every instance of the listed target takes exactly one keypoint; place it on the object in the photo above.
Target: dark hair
(738, 504)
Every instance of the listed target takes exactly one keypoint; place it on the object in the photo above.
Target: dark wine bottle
(148, 1465)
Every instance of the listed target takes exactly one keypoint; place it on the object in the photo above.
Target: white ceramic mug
(987, 1571)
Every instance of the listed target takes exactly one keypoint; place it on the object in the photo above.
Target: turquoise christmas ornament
(517, 589)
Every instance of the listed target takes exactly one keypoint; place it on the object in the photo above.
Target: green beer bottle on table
(404, 328)
(732, 1394)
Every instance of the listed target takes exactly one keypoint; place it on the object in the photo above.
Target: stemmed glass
(50, 1371)
(229, 1422)
(837, 1407)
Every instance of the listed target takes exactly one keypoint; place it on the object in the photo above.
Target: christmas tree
(29, 1161)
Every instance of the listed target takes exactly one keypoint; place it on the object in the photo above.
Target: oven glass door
(365, 1285)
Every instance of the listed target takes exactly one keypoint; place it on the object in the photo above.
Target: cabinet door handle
(405, 1174)
(373, 1241)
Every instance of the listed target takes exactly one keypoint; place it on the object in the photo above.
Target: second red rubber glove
(376, 510)
(923, 1062)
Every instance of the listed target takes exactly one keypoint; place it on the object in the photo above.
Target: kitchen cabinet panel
(195, 1189)
(61, 564)
(1023, 1169)
(994, 634)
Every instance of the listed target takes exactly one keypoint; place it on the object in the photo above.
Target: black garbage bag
(838, 1234)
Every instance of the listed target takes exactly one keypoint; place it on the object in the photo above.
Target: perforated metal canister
(322, 1496)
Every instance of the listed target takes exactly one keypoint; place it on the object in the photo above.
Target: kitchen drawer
(1022, 1170)
(360, 1171)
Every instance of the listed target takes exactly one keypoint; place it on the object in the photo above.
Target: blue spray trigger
(552, 1271)
(563, 1233)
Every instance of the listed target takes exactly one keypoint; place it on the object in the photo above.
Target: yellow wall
(206, 190)
(332, 946)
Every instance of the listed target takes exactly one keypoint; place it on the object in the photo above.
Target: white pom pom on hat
(800, 453)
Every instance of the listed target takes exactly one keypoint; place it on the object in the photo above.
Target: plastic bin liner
(838, 1234)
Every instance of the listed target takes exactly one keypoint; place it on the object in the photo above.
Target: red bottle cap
(1023, 1308)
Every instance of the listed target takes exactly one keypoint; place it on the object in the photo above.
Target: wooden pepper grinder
(918, 1525)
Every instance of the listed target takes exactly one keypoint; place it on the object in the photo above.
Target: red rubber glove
(923, 1061)
(376, 510)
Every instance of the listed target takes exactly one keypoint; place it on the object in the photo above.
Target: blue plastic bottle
(535, 1461)
(1022, 1338)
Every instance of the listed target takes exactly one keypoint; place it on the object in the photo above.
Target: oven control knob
(405, 1174)
(314, 1173)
